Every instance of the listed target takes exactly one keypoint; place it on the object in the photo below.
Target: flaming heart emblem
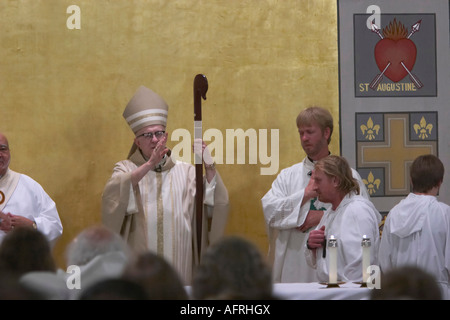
(395, 48)
(395, 54)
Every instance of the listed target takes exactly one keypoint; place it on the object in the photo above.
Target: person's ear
(327, 133)
(336, 181)
(137, 142)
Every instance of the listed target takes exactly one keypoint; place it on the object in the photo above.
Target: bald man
(23, 201)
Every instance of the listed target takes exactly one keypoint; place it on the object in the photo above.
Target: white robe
(31, 201)
(353, 218)
(417, 232)
(159, 214)
(283, 213)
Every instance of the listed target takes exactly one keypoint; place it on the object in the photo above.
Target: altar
(317, 291)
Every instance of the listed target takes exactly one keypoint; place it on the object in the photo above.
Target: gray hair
(92, 242)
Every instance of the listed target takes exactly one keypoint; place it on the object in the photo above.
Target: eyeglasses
(149, 135)
(4, 148)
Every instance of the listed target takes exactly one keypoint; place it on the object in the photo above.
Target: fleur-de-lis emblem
(370, 130)
(371, 183)
(422, 128)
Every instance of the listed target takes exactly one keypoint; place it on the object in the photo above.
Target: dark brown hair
(25, 250)
(426, 172)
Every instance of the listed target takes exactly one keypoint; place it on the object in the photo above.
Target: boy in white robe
(417, 230)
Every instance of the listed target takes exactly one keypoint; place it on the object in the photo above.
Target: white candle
(365, 243)
(332, 254)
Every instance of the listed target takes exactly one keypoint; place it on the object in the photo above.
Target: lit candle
(365, 244)
(332, 254)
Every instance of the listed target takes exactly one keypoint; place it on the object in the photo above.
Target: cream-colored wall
(63, 91)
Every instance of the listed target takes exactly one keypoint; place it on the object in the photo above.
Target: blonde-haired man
(350, 217)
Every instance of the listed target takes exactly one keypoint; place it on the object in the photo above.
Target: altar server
(417, 230)
(350, 217)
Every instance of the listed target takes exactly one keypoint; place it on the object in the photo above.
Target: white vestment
(355, 217)
(29, 200)
(283, 213)
(417, 233)
(159, 214)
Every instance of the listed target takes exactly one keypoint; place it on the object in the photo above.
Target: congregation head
(92, 242)
(232, 268)
(157, 276)
(407, 282)
(25, 250)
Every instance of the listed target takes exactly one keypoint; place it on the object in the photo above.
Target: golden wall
(64, 88)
